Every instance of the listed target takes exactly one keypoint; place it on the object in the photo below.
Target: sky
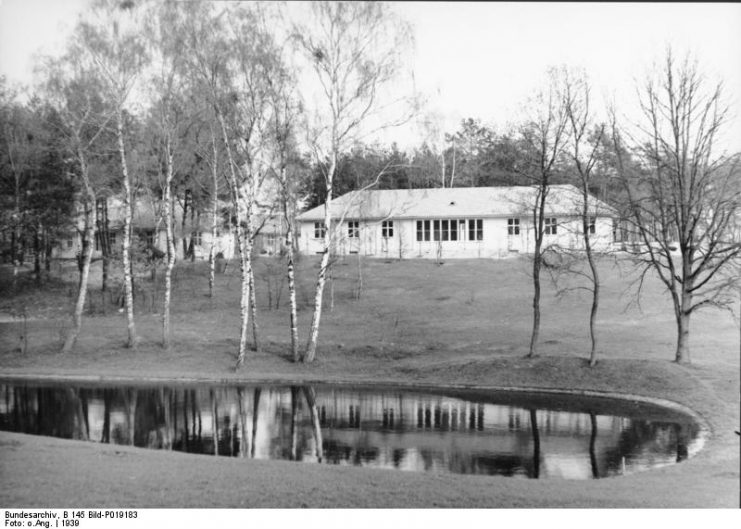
(483, 60)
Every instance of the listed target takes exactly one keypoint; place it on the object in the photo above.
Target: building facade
(149, 231)
(487, 222)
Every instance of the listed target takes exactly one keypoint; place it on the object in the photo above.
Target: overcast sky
(483, 59)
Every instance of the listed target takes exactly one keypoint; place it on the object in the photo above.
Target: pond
(466, 432)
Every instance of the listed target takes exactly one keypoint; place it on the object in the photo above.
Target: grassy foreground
(463, 323)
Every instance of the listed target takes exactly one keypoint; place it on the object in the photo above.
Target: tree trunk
(186, 201)
(318, 443)
(683, 338)
(310, 352)
(294, 423)
(74, 332)
(193, 230)
(128, 276)
(593, 314)
(537, 263)
(594, 272)
(214, 217)
(14, 253)
(292, 295)
(536, 443)
(104, 273)
(592, 446)
(255, 416)
(330, 278)
(242, 422)
(106, 434)
(244, 266)
(253, 311)
(166, 332)
(536, 303)
(101, 211)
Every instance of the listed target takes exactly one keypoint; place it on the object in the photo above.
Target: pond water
(508, 434)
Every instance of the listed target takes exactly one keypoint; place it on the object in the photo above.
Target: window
(111, 239)
(198, 238)
(70, 242)
(592, 225)
(145, 237)
(319, 230)
(550, 226)
(513, 226)
(387, 229)
(446, 230)
(475, 229)
(270, 242)
(423, 230)
(353, 229)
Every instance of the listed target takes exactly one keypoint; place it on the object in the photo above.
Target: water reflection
(390, 429)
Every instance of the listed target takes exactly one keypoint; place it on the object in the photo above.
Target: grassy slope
(462, 323)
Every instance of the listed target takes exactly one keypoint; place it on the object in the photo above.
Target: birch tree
(112, 38)
(233, 60)
(355, 51)
(286, 112)
(255, 60)
(165, 40)
(684, 196)
(74, 91)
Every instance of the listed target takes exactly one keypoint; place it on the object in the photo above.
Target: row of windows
(448, 229)
(353, 229)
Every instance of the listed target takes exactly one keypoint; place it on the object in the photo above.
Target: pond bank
(55, 473)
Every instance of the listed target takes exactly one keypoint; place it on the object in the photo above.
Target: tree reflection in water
(393, 429)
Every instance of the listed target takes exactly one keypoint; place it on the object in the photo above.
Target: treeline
(473, 156)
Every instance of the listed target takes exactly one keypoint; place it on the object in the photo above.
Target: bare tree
(355, 50)
(584, 140)
(683, 198)
(544, 134)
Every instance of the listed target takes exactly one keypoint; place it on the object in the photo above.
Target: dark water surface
(508, 434)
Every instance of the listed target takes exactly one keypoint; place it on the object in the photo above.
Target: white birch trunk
(253, 308)
(214, 218)
(74, 332)
(310, 353)
(128, 283)
(243, 242)
(166, 332)
(290, 271)
(244, 267)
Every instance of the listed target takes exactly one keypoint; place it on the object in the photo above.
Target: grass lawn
(462, 323)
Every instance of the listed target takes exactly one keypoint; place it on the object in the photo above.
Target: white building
(149, 229)
(462, 222)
